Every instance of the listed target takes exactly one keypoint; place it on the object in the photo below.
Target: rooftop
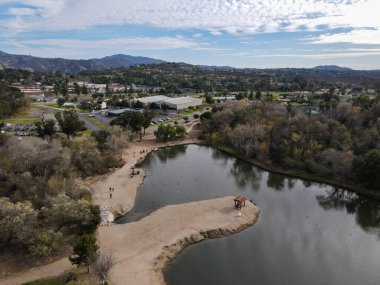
(182, 100)
(153, 99)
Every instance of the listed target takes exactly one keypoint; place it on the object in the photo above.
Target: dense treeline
(11, 100)
(341, 143)
(174, 77)
(42, 208)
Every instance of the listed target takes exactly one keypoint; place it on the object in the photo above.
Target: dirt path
(50, 270)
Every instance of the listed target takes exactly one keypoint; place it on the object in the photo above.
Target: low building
(158, 100)
(103, 105)
(182, 103)
(117, 87)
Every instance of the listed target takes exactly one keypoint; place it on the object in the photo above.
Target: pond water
(307, 233)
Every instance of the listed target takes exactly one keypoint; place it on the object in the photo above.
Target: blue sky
(239, 33)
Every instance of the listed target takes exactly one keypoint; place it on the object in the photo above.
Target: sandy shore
(126, 187)
(143, 249)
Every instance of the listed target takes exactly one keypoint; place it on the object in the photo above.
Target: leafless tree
(103, 265)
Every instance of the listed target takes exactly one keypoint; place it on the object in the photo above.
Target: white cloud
(361, 36)
(332, 54)
(21, 12)
(216, 16)
(57, 47)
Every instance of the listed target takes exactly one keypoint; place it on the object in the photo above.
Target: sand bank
(143, 248)
(126, 187)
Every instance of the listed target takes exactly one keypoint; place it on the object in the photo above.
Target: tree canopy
(69, 123)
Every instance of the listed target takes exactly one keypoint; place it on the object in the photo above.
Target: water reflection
(276, 181)
(246, 174)
(170, 153)
(366, 211)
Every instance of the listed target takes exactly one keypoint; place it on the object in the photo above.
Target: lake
(307, 233)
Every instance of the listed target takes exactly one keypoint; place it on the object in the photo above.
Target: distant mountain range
(62, 65)
(332, 68)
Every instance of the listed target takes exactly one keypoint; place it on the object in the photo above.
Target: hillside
(62, 65)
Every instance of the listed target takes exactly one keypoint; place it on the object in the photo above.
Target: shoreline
(299, 174)
(126, 186)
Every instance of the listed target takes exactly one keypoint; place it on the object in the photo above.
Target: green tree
(169, 132)
(77, 89)
(209, 99)
(180, 131)
(61, 101)
(84, 252)
(45, 128)
(258, 95)
(367, 169)
(101, 138)
(131, 119)
(69, 123)
(148, 117)
(84, 90)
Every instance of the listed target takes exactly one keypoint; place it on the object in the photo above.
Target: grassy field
(22, 117)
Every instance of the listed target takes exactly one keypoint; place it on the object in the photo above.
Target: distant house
(117, 87)
(103, 105)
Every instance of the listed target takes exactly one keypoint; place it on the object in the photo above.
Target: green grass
(52, 281)
(22, 117)
(51, 104)
(186, 113)
(98, 123)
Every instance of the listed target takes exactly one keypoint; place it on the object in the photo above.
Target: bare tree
(103, 265)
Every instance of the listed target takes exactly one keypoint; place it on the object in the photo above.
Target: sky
(238, 33)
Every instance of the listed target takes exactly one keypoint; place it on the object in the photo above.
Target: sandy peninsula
(144, 248)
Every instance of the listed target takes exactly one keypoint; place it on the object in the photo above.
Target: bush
(168, 132)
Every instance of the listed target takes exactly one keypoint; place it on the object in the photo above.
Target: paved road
(88, 123)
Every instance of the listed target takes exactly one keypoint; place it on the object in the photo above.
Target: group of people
(111, 191)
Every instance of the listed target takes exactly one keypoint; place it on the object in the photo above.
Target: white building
(182, 103)
(159, 100)
(103, 105)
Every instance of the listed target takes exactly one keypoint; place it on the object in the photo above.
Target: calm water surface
(307, 233)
